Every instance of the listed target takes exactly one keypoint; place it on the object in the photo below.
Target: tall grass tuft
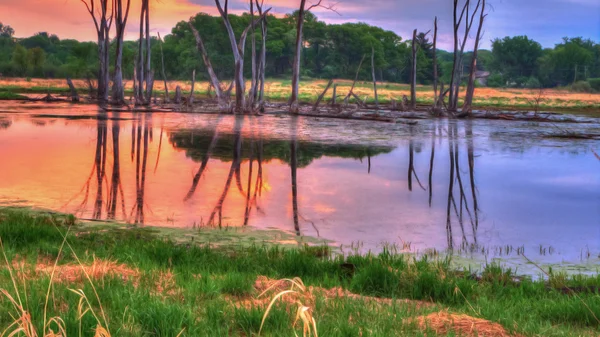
(303, 312)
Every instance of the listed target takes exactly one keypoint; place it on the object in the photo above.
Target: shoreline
(505, 99)
(143, 282)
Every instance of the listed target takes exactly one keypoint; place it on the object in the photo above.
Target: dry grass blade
(271, 306)
(101, 332)
(297, 282)
(309, 323)
(12, 277)
(52, 279)
(89, 279)
(303, 313)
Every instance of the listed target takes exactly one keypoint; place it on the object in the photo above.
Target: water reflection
(271, 172)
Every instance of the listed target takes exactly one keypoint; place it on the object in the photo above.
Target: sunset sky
(546, 21)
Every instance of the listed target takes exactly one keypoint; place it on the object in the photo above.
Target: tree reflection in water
(247, 149)
(462, 207)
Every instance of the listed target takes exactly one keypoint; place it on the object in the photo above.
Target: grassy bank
(139, 282)
(279, 90)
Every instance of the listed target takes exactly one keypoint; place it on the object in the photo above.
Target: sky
(546, 21)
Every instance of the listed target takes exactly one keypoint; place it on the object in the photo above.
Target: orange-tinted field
(280, 89)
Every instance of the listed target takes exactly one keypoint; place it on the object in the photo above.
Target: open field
(279, 90)
(132, 282)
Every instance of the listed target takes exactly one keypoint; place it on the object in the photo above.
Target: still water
(438, 184)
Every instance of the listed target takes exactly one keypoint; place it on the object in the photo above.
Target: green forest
(330, 51)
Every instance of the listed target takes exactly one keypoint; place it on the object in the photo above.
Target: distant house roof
(482, 74)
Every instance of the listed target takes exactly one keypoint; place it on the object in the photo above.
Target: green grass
(8, 95)
(205, 280)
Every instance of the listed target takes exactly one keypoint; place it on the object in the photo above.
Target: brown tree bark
(467, 107)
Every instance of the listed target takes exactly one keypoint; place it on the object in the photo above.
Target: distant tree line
(329, 51)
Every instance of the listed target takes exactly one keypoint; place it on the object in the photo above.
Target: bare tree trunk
(374, 78)
(237, 56)
(252, 95)
(413, 73)
(435, 68)
(222, 99)
(178, 95)
(294, 106)
(238, 53)
(458, 53)
(149, 76)
(102, 21)
(316, 106)
(355, 79)
(74, 94)
(164, 76)
(455, 27)
(334, 96)
(467, 107)
(140, 62)
(121, 15)
(263, 57)
(191, 99)
(103, 85)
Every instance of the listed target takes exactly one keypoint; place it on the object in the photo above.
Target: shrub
(533, 83)
(581, 86)
(594, 83)
(495, 81)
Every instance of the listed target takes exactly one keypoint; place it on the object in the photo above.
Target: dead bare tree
(222, 97)
(467, 106)
(164, 76)
(458, 52)
(102, 18)
(74, 94)
(435, 68)
(254, 80)
(263, 58)
(238, 52)
(413, 73)
(121, 14)
(374, 78)
(145, 77)
(238, 48)
(191, 99)
(294, 104)
(351, 92)
(322, 95)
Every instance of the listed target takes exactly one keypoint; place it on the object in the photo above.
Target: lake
(474, 186)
